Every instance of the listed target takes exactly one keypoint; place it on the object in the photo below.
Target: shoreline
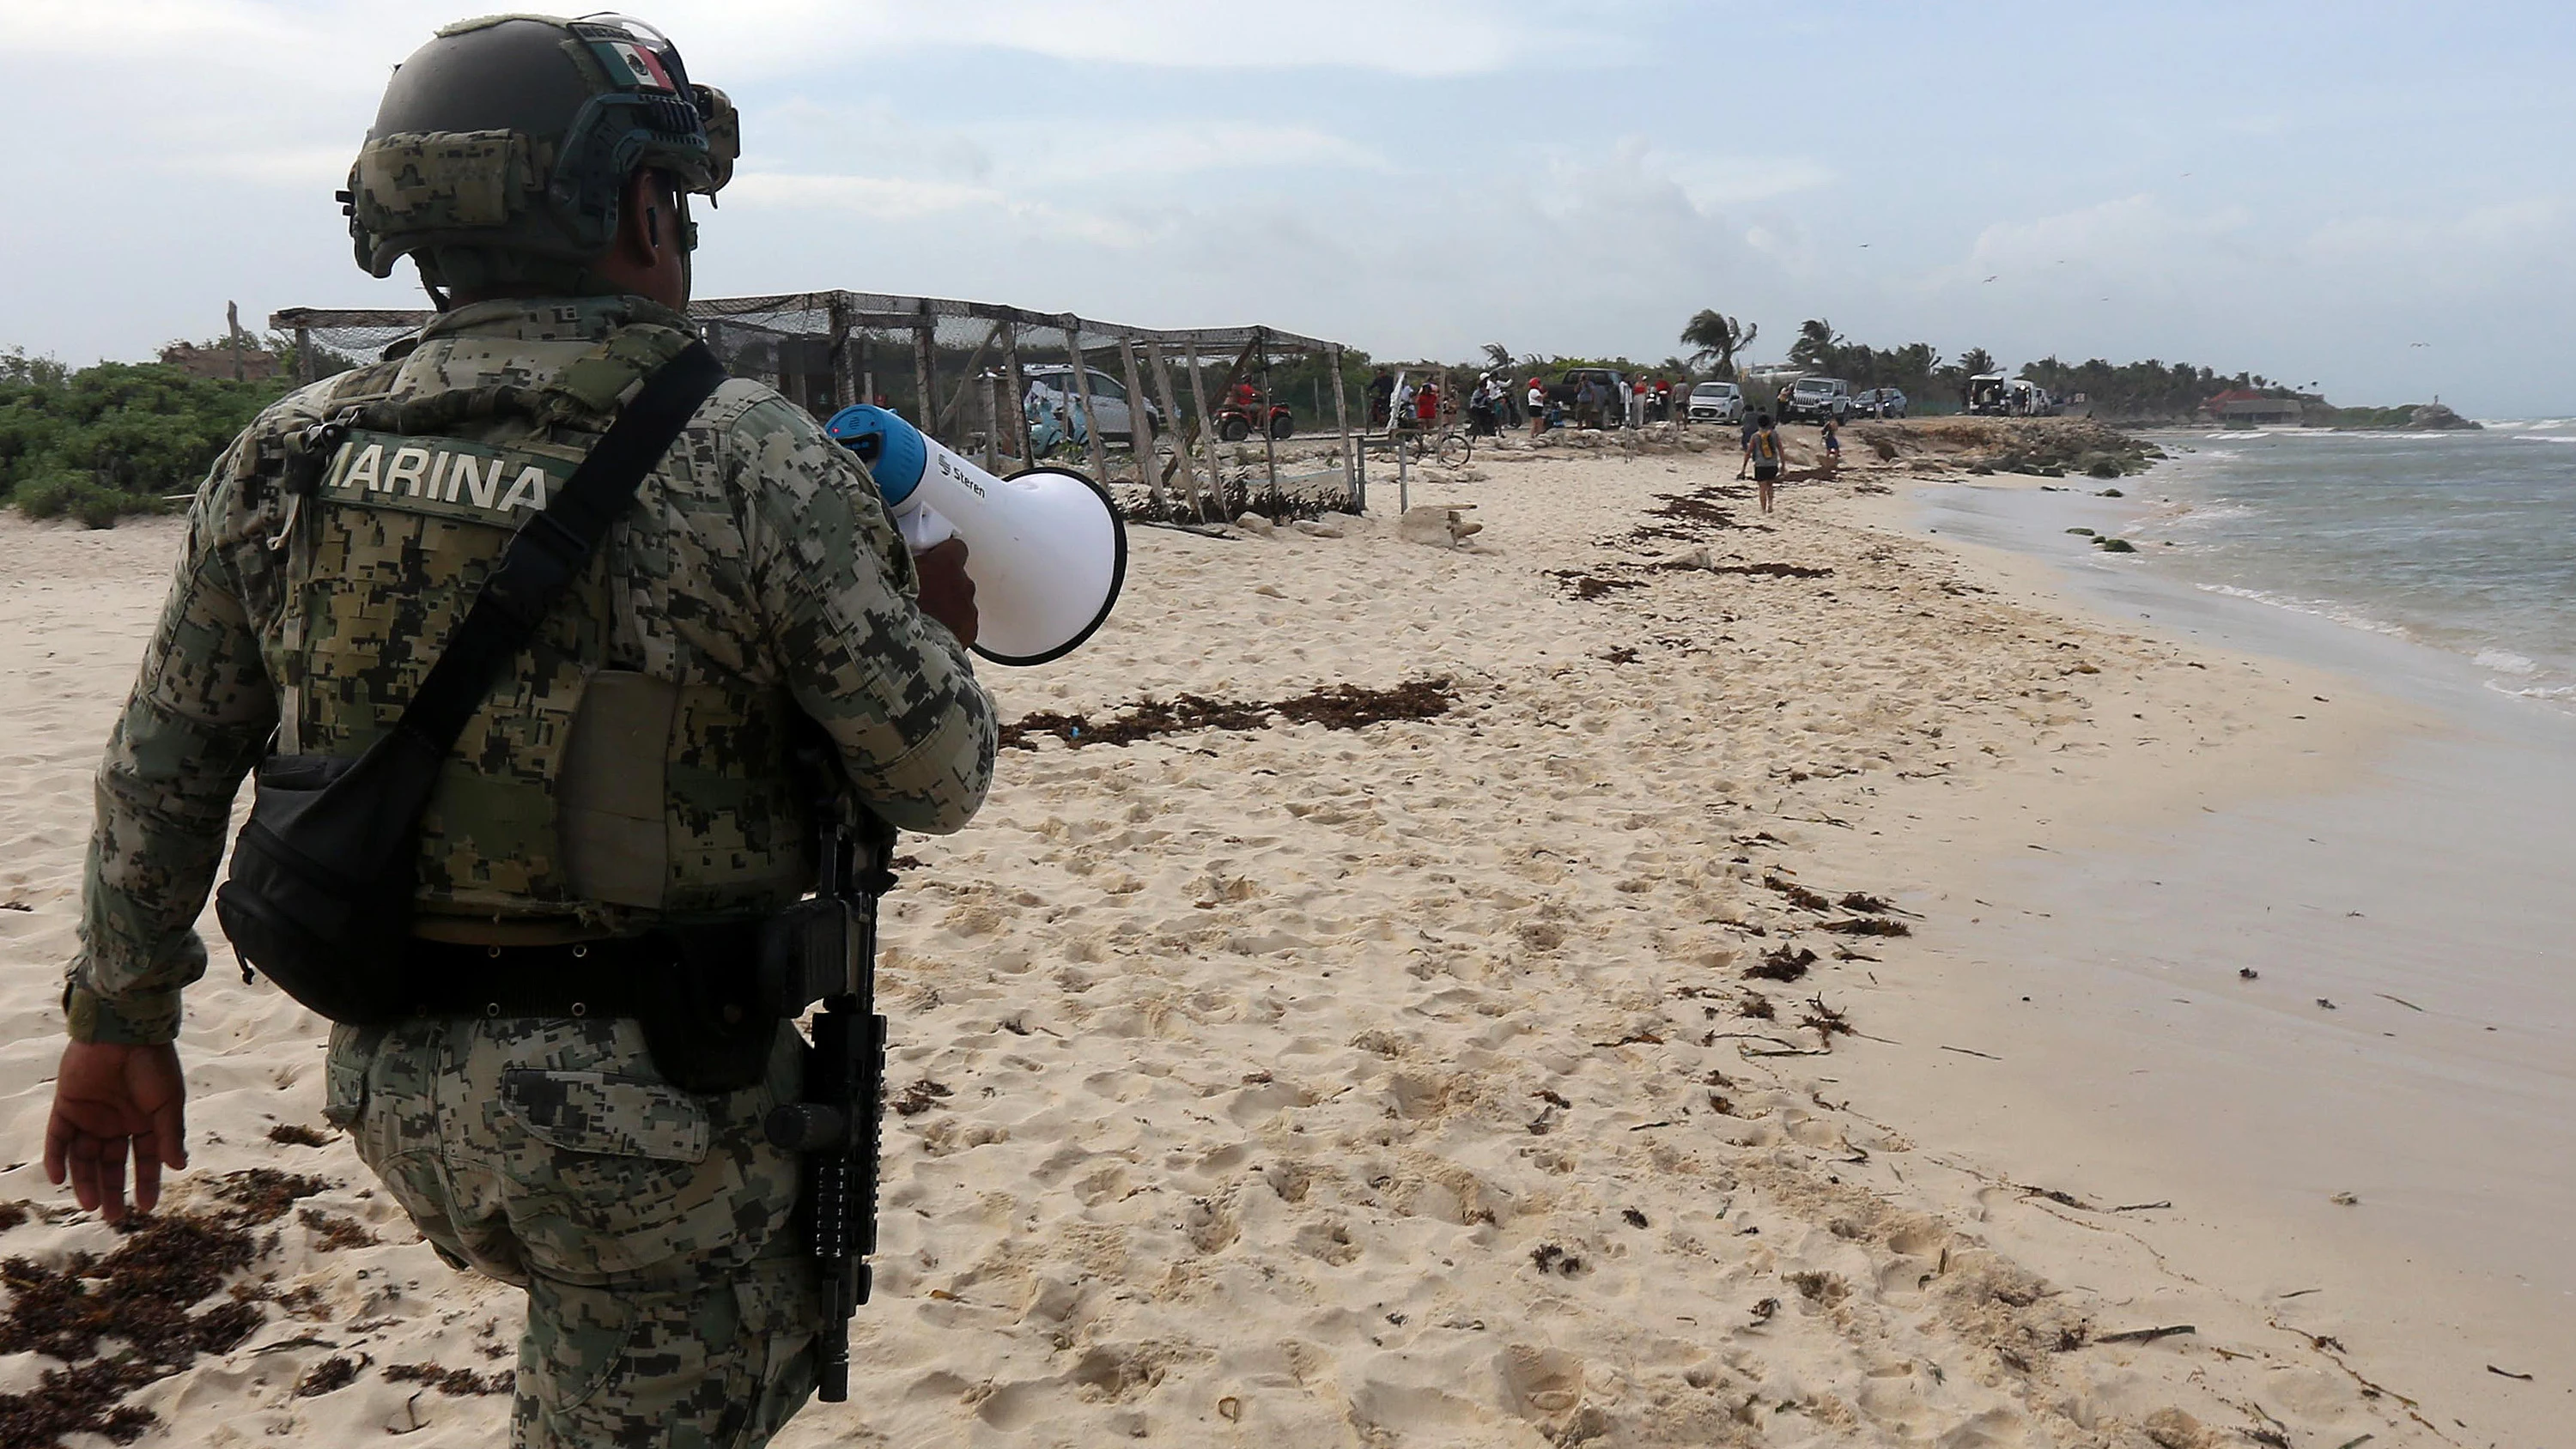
(2410, 885)
(1430, 1082)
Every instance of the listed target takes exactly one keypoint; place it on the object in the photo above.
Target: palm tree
(1499, 355)
(1718, 336)
(1815, 345)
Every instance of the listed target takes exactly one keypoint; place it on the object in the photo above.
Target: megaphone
(1045, 546)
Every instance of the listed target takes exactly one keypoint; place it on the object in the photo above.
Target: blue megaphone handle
(892, 448)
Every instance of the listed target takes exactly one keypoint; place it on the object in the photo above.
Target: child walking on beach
(1833, 444)
(1764, 451)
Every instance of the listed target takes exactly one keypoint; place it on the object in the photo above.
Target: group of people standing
(1494, 404)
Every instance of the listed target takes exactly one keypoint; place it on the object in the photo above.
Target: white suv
(1814, 399)
(1055, 386)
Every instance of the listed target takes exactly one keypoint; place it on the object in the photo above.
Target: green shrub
(98, 507)
(114, 438)
(44, 498)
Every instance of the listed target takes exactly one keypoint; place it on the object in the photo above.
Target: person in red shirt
(1426, 404)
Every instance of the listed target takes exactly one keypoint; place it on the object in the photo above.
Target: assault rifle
(826, 949)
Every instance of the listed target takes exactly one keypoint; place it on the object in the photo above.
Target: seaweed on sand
(1339, 706)
(140, 1295)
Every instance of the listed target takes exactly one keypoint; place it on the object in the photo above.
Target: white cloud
(2525, 227)
(142, 27)
(749, 38)
(2130, 234)
(1417, 38)
(892, 200)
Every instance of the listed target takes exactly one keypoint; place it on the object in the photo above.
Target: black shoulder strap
(553, 545)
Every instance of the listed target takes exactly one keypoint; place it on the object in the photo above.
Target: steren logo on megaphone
(1045, 547)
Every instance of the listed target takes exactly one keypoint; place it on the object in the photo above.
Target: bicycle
(1450, 447)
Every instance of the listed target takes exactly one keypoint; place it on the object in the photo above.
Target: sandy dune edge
(1391, 1086)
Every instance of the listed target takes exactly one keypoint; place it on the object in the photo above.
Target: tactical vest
(585, 787)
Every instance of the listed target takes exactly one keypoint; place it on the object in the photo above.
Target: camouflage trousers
(669, 1300)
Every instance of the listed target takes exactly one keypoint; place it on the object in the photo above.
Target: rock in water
(2435, 418)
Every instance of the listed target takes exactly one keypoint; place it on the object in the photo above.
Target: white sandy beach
(1397, 1086)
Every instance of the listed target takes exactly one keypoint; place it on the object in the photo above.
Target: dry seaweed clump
(1339, 706)
(139, 1299)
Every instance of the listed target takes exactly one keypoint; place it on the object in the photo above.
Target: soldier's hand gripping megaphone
(1045, 546)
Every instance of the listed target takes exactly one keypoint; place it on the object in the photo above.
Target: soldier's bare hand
(947, 594)
(109, 1101)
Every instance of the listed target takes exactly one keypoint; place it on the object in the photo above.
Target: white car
(1717, 402)
(1055, 386)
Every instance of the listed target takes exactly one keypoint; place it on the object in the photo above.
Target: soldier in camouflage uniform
(632, 776)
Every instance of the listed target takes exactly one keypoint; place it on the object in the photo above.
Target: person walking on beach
(1764, 451)
(1833, 437)
(553, 1040)
(1381, 396)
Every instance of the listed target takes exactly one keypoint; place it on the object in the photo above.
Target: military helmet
(503, 148)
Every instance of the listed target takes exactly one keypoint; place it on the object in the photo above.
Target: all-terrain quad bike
(1236, 420)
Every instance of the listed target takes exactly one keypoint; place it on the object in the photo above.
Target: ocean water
(2464, 541)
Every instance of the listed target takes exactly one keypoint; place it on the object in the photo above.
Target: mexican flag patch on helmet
(630, 64)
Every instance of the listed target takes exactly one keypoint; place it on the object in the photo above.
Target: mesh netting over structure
(1196, 423)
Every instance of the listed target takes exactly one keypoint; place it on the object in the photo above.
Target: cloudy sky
(2308, 190)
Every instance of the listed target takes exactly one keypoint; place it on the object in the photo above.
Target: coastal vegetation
(113, 438)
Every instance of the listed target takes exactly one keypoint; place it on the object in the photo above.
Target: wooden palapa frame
(1207, 437)
(1140, 430)
(1172, 419)
(1090, 415)
(1354, 468)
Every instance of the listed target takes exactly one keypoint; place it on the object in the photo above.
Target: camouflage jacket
(755, 578)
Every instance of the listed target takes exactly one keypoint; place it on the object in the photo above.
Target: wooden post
(308, 368)
(1207, 439)
(1269, 444)
(1140, 432)
(972, 384)
(233, 336)
(843, 383)
(1090, 415)
(1180, 435)
(1354, 481)
(1014, 405)
(925, 361)
(992, 419)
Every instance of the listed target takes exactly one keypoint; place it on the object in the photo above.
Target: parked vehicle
(1117, 417)
(1717, 402)
(1614, 407)
(1996, 395)
(1814, 399)
(1878, 402)
(1240, 418)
